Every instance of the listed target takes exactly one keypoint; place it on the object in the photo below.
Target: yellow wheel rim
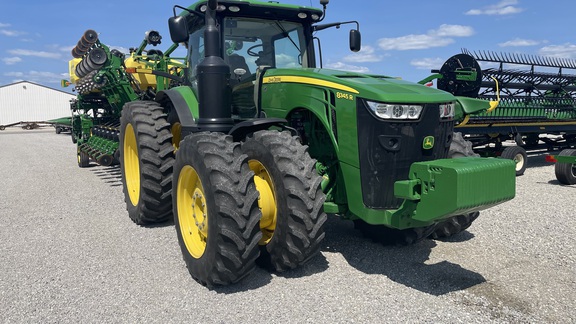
(266, 201)
(192, 211)
(176, 131)
(131, 165)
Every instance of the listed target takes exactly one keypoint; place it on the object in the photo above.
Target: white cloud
(286, 61)
(433, 38)
(504, 7)
(8, 32)
(37, 76)
(427, 63)
(519, 42)
(11, 33)
(411, 42)
(446, 30)
(347, 67)
(42, 54)
(11, 60)
(561, 51)
(14, 74)
(366, 54)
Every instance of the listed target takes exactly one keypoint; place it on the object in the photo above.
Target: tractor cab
(250, 46)
(254, 36)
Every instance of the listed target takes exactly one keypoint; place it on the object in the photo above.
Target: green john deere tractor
(259, 144)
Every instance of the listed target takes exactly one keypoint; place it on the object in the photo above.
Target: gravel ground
(70, 253)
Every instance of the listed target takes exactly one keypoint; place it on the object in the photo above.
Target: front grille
(388, 148)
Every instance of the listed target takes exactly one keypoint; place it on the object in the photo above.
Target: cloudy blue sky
(400, 38)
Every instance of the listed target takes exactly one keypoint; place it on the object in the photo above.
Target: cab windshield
(251, 43)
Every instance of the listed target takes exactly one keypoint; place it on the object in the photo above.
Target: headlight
(395, 111)
(447, 110)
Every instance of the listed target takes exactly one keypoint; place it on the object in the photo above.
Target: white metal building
(27, 101)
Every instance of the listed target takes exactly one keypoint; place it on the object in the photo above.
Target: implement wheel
(519, 156)
(459, 148)
(83, 159)
(291, 199)
(215, 209)
(146, 158)
(566, 172)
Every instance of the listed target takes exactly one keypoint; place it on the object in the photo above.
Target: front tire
(566, 172)
(453, 225)
(215, 209)
(147, 158)
(459, 148)
(291, 199)
(392, 236)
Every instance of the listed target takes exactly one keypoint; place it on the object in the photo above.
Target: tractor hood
(371, 87)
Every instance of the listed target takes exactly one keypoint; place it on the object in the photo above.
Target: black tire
(566, 172)
(146, 158)
(216, 211)
(519, 156)
(292, 233)
(106, 160)
(459, 148)
(83, 159)
(453, 225)
(58, 130)
(391, 236)
(74, 140)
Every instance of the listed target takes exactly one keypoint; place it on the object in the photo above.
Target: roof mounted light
(315, 17)
(234, 8)
(302, 15)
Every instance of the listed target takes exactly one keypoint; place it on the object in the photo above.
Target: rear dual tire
(216, 211)
(291, 199)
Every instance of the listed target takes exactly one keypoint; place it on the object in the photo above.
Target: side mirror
(355, 40)
(178, 29)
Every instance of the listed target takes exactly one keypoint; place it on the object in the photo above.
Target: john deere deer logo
(428, 142)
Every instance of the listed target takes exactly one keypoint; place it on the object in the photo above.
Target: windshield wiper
(285, 33)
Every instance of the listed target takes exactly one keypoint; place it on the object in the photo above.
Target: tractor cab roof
(266, 10)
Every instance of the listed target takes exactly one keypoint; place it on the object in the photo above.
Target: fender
(242, 129)
(184, 102)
